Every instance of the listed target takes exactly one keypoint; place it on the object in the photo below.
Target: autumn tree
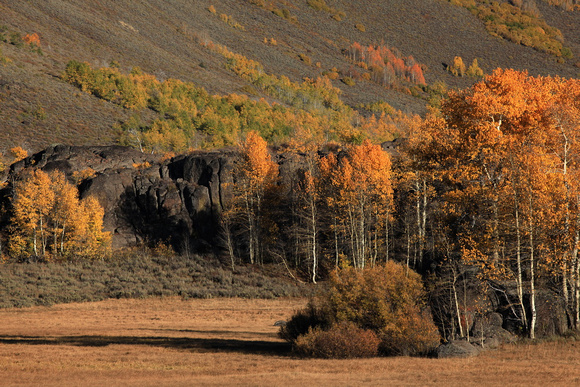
(305, 203)
(458, 67)
(32, 39)
(32, 203)
(474, 70)
(256, 177)
(49, 220)
(565, 115)
(359, 195)
(17, 153)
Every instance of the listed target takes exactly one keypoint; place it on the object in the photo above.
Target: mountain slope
(163, 38)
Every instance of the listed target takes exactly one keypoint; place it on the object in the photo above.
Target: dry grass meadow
(173, 342)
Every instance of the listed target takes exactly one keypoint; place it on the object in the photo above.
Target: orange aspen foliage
(94, 242)
(257, 176)
(458, 67)
(32, 203)
(360, 194)
(416, 74)
(257, 165)
(385, 64)
(507, 152)
(32, 39)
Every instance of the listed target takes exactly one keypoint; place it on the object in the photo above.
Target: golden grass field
(220, 342)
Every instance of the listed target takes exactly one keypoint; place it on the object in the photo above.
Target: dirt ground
(217, 342)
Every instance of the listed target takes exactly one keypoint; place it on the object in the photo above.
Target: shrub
(16, 39)
(3, 31)
(341, 341)
(304, 321)
(331, 74)
(474, 70)
(4, 60)
(259, 3)
(387, 300)
(339, 16)
(32, 39)
(378, 107)
(318, 5)
(305, 58)
(348, 81)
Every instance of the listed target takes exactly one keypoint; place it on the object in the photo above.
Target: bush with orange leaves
(32, 39)
(342, 341)
(387, 300)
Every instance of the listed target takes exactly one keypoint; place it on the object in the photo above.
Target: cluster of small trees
(48, 220)
(336, 208)
(312, 94)
(191, 118)
(458, 68)
(484, 194)
(386, 65)
(519, 22)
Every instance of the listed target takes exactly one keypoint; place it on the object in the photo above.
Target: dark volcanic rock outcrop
(70, 159)
(145, 199)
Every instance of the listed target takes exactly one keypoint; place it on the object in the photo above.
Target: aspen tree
(32, 203)
(257, 175)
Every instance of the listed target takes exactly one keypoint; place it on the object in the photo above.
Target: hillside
(165, 38)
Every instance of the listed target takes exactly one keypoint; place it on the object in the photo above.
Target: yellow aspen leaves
(50, 221)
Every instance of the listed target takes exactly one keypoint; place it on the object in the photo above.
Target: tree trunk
(34, 244)
(519, 281)
(336, 254)
(576, 271)
(456, 302)
(387, 241)
(250, 216)
(532, 278)
(314, 231)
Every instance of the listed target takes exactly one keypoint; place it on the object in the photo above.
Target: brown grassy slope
(162, 37)
(38, 110)
(224, 342)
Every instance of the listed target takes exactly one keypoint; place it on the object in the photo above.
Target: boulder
(552, 317)
(457, 348)
(487, 331)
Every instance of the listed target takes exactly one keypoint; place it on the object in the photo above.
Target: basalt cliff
(145, 199)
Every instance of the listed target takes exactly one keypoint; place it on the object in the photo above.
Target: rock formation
(146, 199)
